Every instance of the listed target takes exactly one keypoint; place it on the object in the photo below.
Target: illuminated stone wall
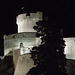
(70, 48)
(24, 64)
(26, 34)
(12, 42)
(26, 23)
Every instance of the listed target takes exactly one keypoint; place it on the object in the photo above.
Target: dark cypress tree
(49, 56)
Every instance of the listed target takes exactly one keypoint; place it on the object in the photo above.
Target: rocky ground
(6, 66)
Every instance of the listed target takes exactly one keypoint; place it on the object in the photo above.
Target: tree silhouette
(49, 56)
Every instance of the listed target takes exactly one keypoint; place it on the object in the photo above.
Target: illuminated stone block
(70, 48)
(26, 23)
(12, 42)
(24, 64)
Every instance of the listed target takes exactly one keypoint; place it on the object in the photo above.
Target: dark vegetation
(49, 56)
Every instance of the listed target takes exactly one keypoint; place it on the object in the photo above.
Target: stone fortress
(19, 45)
(26, 34)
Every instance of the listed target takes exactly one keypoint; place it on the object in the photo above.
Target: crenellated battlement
(26, 23)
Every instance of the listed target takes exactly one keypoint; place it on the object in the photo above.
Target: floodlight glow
(26, 23)
(24, 50)
(70, 48)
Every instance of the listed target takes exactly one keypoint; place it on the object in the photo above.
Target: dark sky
(62, 12)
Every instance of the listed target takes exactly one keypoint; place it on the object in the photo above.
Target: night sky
(62, 12)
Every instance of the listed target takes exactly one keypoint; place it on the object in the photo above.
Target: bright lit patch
(70, 48)
(24, 51)
(26, 23)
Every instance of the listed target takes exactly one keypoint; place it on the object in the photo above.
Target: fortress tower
(19, 45)
(26, 23)
(26, 34)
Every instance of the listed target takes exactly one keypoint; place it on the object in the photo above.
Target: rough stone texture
(12, 42)
(26, 23)
(16, 54)
(70, 48)
(24, 64)
(71, 67)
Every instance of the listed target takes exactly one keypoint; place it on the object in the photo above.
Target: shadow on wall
(6, 66)
(71, 67)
